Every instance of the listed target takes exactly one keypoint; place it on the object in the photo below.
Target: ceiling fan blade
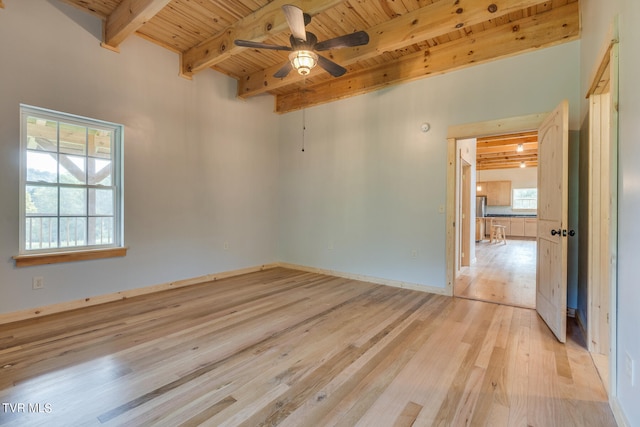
(348, 40)
(295, 19)
(256, 45)
(282, 72)
(332, 68)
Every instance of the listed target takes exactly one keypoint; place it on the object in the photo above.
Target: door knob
(572, 233)
(556, 232)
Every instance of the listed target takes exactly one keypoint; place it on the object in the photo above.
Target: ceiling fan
(303, 44)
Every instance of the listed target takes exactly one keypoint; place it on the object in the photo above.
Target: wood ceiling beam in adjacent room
(512, 138)
(428, 22)
(263, 23)
(559, 25)
(531, 146)
(127, 18)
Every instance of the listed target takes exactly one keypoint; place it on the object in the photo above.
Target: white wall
(200, 166)
(597, 18)
(370, 182)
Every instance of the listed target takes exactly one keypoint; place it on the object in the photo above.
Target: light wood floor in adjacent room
(283, 347)
(505, 274)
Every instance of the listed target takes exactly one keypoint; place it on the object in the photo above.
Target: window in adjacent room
(525, 198)
(71, 182)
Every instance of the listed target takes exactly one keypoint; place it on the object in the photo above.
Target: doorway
(462, 132)
(504, 168)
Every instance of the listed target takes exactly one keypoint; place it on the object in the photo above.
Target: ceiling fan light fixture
(303, 61)
(523, 164)
(520, 148)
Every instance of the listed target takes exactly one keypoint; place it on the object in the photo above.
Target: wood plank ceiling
(501, 152)
(409, 39)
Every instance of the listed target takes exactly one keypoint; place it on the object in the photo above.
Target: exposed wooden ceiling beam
(263, 23)
(502, 143)
(127, 18)
(531, 146)
(525, 155)
(556, 26)
(510, 138)
(510, 165)
(431, 21)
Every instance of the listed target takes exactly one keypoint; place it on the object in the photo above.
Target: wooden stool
(498, 234)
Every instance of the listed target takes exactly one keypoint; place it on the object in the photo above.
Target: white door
(551, 278)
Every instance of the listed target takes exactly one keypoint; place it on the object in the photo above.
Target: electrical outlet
(414, 253)
(628, 365)
(225, 246)
(38, 282)
(441, 209)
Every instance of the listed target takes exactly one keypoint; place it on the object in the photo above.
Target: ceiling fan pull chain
(304, 119)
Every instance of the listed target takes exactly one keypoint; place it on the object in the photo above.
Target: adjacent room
(264, 213)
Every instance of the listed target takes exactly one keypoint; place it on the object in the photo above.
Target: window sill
(59, 257)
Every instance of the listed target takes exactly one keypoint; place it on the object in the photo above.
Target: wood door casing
(551, 281)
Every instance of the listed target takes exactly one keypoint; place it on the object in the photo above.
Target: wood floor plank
(504, 274)
(290, 348)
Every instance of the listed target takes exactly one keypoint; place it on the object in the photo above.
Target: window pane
(73, 139)
(101, 201)
(100, 143)
(73, 201)
(73, 231)
(100, 172)
(72, 169)
(42, 167)
(42, 134)
(41, 200)
(69, 182)
(525, 198)
(41, 232)
(101, 231)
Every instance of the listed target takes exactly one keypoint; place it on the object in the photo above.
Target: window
(525, 198)
(71, 186)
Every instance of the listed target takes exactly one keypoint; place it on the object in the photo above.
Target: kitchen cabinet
(498, 193)
(514, 226)
(481, 188)
(517, 227)
(531, 227)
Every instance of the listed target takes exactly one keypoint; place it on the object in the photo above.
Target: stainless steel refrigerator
(481, 206)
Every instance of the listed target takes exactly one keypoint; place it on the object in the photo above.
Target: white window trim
(513, 199)
(72, 253)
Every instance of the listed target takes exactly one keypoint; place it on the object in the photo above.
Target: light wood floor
(283, 347)
(505, 274)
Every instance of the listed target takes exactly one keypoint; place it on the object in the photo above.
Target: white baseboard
(370, 279)
(116, 296)
(101, 299)
(618, 414)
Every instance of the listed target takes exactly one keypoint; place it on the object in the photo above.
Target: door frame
(529, 122)
(465, 216)
(603, 241)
